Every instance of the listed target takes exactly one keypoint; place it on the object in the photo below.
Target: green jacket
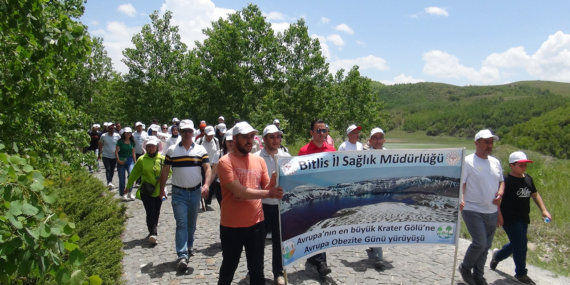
(148, 169)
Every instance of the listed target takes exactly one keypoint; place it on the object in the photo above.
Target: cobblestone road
(145, 264)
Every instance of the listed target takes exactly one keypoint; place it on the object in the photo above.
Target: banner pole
(279, 209)
(458, 219)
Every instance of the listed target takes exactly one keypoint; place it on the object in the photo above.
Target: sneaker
(182, 263)
(132, 196)
(323, 269)
(280, 280)
(379, 264)
(153, 240)
(466, 275)
(126, 198)
(480, 281)
(524, 279)
(110, 186)
(494, 261)
(268, 236)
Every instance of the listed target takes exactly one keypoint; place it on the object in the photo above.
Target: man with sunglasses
(319, 131)
(186, 159)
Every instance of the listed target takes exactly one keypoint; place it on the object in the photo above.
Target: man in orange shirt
(319, 131)
(242, 177)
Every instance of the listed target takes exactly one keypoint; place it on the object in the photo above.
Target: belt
(189, 189)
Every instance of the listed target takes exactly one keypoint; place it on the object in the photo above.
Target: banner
(368, 198)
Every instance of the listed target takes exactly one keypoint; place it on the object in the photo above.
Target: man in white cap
(107, 146)
(221, 119)
(212, 145)
(352, 143)
(186, 160)
(139, 137)
(276, 123)
(95, 135)
(242, 177)
(272, 137)
(483, 189)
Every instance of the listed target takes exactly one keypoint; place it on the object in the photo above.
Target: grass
(559, 88)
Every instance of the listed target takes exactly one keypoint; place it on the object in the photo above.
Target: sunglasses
(186, 131)
(322, 131)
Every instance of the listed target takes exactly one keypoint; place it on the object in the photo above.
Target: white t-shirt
(169, 142)
(109, 144)
(482, 178)
(211, 146)
(270, 162)
(350, 146)
(139, 141)
(214, 160)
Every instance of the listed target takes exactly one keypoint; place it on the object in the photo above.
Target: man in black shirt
(95, 135)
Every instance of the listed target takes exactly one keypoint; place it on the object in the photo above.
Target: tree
(153, 84)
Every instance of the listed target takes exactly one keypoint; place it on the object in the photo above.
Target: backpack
(201, 140)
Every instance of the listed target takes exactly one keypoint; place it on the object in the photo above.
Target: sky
(455, 42)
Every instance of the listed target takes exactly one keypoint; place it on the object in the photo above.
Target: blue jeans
(482, 228)
(185, 205)
(517, 246)
(109, 164)
(121, 168)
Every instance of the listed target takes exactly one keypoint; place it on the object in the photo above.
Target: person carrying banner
(514, 215)
(272, 137)
(186, 159)
(245, 181)
(319, 132)
(483, 189)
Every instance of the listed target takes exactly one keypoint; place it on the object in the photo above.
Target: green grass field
(549, 244)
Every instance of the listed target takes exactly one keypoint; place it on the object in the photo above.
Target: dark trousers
(109, 164)
(152, 208)
(317, 258)
(233, 242)
(271, 213)
(517, 246)
(218, 194)
(213, 192)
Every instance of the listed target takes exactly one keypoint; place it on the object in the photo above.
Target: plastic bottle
(546, 220)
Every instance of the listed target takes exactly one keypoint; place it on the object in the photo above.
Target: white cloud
(192, 16)
(335, 39)
(402, 79)
(367, 62)
(94, 23)
(117, 37)
(280, 27)
(360, 43)
(325, 20)
(274, 16)
(437, 11)
(127, 9)
(344, 28)
(444, 65)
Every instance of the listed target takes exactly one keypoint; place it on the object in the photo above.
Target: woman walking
(148, 168)
(126, 157)
(227, 147)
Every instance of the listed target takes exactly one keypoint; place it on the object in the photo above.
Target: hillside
(558, 88)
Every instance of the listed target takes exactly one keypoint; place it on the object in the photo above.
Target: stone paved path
(145, 264)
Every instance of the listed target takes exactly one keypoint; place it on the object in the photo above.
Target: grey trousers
(482, 228)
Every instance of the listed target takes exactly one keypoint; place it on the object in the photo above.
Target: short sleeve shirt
(186, 164)
(482, 178)
(350, 146)
(515, 205)
(109, 144)
(311, 148)
(251, 172)
(270, 163)
(125, 150)
(139, 140)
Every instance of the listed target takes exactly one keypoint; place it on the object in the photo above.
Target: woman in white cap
(126, 157)
(227, 147)
(220, 131)
(174, 139)
(148, 168)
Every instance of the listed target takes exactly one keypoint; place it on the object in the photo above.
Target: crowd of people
(237, 167)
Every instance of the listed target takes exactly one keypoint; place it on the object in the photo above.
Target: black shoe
(182, 264)
(379, 264)
(480, 281)
(494, 261)
(524, 279)
(466, 275)
(323, 269)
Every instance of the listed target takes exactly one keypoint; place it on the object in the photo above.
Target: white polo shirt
(186, 164)
(270, 162)
(482, 178)
(350, 146)
(109, 144)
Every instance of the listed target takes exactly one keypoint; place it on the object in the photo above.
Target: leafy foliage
(35, 241)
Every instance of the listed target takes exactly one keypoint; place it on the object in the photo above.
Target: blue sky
(455, 42)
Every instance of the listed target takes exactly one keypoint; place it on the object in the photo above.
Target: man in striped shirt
(186, 158)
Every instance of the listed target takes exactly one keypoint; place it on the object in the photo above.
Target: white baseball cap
(128, 130)
(276, 121)
(209, 130)
(186, 124)
(270, 129)
(485, 134)
(229, 135)
(352, 128)
(155, 127)
(138, 124)
(221, 117)
(243, 128)
(152, 140)
(221, 127)
(96, 126)
(175, 120)
(518, 156)
(375, 131)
